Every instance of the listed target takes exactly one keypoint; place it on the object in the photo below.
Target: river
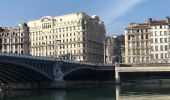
(127, 92)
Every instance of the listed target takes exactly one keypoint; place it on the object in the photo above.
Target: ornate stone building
(15, 40)
(75, 36)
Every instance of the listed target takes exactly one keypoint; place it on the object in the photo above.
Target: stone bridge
(22, 68)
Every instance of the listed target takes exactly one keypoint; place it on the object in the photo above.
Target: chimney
(150, 20)
(168, 19)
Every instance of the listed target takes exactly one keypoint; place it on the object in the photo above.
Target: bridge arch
(76, 69)
(81, 73)
(15, 73)
(30, 73)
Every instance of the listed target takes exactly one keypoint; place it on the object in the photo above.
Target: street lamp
(19, 44)
(104, 46)
(45, 45)
(19, 39)
(10, 43)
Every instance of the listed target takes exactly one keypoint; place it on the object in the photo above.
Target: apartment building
(76, 36)
(115, 49)
(148, 42)
(15, 40)
(137, 43)
(160, 39)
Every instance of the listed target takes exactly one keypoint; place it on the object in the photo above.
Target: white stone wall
(159, 43)
(72, 36)
(137, 45)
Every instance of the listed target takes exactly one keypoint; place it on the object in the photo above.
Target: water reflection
(93, 93)
(143, 92)
(127, 92)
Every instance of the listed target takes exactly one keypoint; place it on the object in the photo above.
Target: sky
(116, 14)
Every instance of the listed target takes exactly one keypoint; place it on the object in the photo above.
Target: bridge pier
(58, 85)
(117, 74)
(58, 77)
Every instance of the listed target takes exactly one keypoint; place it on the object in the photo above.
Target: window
(152, 56)
(160, 27)
(166, 47)
(83, 38)
(146, 30)
(129, 59)
(141, 36)
(162, 55)
(83, 44)
(137, 31)
(156, 56)
(165, 39)
(161, 47)
(151, 40)
(83, 27)
(156, 48)
(161, 40)
(138, 44)
(156, 40)
(155, 33)
(152, 48)
(161, 33)
(21, 39)
(146, 36)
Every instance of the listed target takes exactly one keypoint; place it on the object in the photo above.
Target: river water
(128, 92)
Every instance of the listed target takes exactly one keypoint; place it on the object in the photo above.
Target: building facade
(160, 39)
(137, 43)
(148, 42)
(15, 40)
(115, 50)
(75, 36)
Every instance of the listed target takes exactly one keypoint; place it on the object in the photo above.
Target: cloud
(121, 8)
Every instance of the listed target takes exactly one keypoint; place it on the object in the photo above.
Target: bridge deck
(135, 68)
(143, 69)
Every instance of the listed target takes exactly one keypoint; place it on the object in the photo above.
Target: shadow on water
(89, 93)
(126, 92)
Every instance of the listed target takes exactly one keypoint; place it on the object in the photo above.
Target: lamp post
(45, 45)
(104, 47)
(19, 40)
(10, 42)
(19, 44)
